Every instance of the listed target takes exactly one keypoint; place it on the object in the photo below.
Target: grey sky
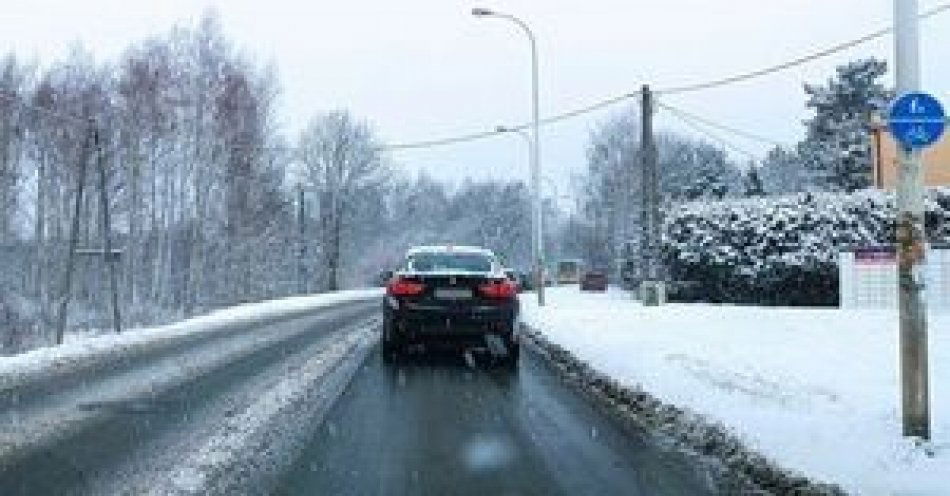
(420, 69)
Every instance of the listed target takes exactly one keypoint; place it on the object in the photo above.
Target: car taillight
(404, 287)
(498, 289)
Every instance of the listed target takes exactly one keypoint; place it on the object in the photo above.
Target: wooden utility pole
(301, 243)
(73, 240)
(108, 257)
(652, 288)
(911, 241)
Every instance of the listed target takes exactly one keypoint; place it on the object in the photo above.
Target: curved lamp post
(535, 148)
(557, 196)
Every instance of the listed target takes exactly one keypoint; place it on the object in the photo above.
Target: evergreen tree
(837, 144)
(696, 170)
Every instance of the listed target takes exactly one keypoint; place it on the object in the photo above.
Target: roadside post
(916, 120)
(652, 287)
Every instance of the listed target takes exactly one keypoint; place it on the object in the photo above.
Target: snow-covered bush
(780, 250)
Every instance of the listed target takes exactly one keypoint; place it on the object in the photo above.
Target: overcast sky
(422, 69)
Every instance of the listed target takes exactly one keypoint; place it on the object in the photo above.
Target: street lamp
(557, 196)
(535, 147)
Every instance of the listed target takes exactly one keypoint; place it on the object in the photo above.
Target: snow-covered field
(816, 390)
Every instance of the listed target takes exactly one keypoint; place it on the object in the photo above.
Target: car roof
(449, 249)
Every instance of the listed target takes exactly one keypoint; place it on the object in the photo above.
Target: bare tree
(191, 183)
(689, 169)
(13, 84)
(343, 164)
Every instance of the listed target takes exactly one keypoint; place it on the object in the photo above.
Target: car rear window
(435, 262)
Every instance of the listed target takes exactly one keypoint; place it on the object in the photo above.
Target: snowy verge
(48, 363)
(735, 468)
(813, 391)
(252, 447)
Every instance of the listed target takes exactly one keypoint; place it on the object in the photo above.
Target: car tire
(389, 352)
(390, 347)
(510, 361)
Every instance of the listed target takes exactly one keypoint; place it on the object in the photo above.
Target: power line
(794, 62)
(671, 90)
(688, 120)
(393, 147)
(440, 142)
(486, 134)
(606, 102)
(722, 127)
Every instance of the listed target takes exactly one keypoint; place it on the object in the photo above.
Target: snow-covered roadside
(813, 389)
(35, 364)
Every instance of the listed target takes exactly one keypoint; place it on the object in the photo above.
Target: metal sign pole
(911, 242)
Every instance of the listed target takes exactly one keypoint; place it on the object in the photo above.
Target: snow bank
(82, 351)
(816, 390)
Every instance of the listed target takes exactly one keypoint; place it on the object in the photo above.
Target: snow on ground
(816, 390)
(84, 348)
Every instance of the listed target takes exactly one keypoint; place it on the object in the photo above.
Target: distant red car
(594, 281)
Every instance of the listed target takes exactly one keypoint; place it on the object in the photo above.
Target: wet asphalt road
(433, 426)
(443, 428)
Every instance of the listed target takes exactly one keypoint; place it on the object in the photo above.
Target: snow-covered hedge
(780, 250)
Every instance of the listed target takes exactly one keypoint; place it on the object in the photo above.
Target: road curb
(737, 469)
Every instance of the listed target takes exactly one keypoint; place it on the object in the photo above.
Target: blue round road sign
(916, 120)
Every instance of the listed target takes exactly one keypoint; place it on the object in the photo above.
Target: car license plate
(453, 293)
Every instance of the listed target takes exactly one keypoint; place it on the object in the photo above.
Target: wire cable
(440, 142)
(670, 90)
(794, 62)
(508, 129)
(722, 127)
(463, 138)
(705, 132)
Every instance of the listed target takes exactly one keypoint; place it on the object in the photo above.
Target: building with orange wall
(884, 151)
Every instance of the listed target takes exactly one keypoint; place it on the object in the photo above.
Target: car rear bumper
(424, 322)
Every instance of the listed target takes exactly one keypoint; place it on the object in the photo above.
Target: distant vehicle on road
(451, 296)
(569, 271)
(594, 280)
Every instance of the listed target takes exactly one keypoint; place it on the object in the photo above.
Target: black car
(449, 296)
